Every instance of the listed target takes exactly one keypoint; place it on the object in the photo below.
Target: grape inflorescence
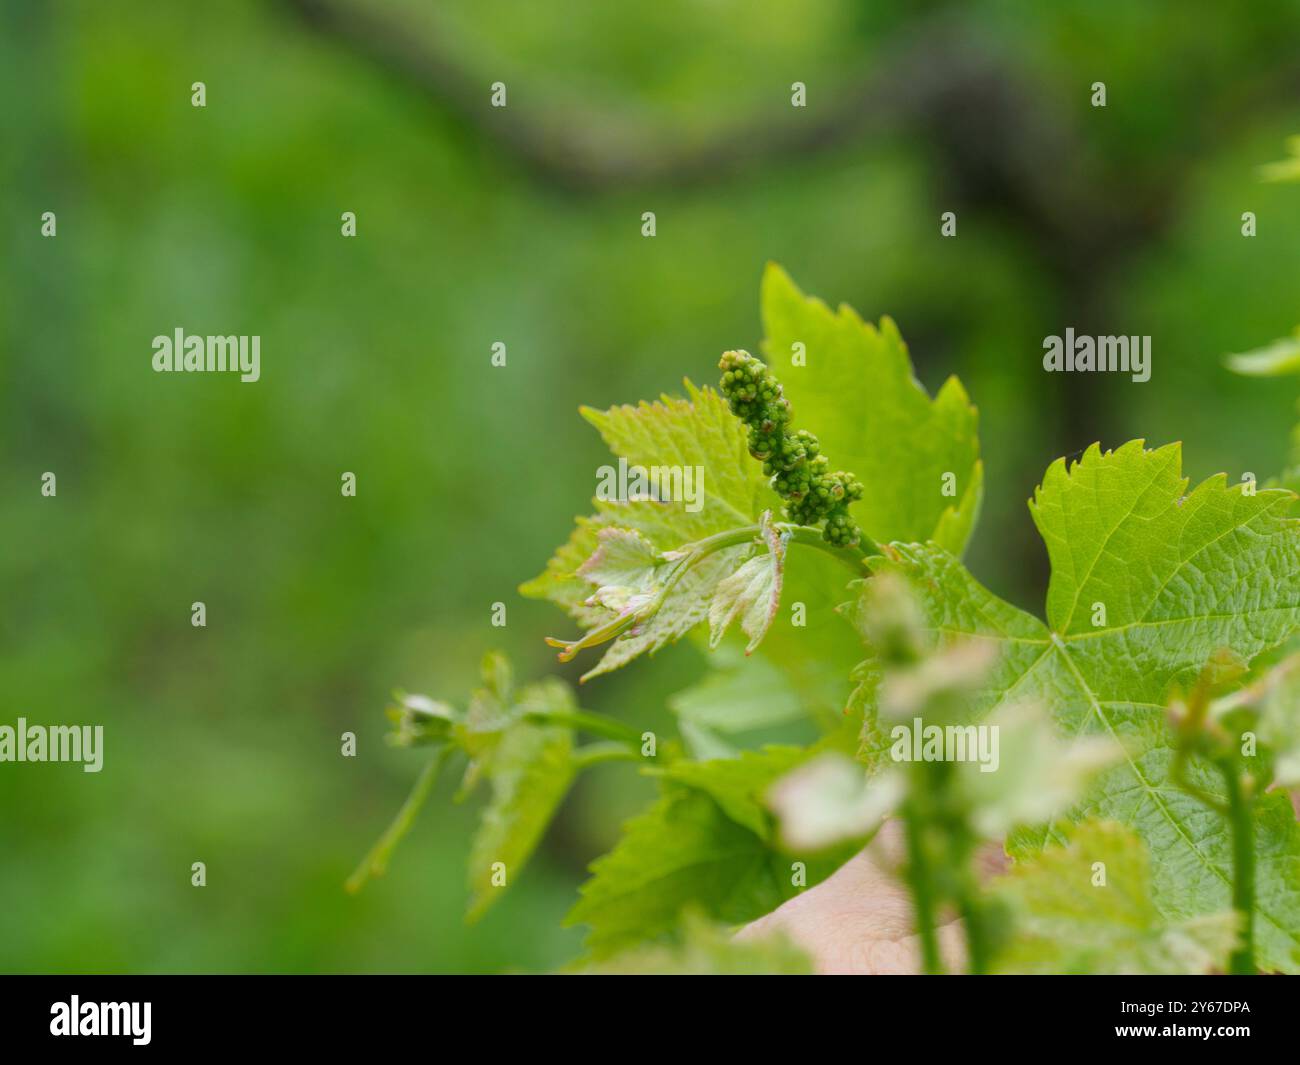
(799, 471)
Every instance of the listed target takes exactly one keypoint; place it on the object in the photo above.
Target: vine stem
(375, 863)
(683, 559)
(1242, 823)
(585, 721)
(854, 556)
(981, 941)
(940, 849)
(920, 879)
(598, 753)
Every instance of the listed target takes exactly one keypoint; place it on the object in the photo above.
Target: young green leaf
(918, 457)
(707, 843)
(706, 949)
(703, 744)
(1085, 907)
(1287, 169)
(530, 773)
(1274, 701)
(1280, 727)
(419, 720)
(1282, 357)
(861, 381)
(521, 742)
(1273, 360)
(831, 799)
(753, 592)
(738, 784)
(625, 559)
(697, 432)
(740, 695)
(1027, 774)
(1148, 583)
(683, 850)
(1038, 774)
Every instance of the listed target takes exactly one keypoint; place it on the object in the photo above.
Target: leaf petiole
(599, 753)
(681, 560)
(584, 721)
(375, 863)
(853, 556)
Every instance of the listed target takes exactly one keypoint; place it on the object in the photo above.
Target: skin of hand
(859, 919)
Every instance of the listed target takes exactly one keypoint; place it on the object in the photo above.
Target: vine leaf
(515, 740)
(738, 784)
(830, 799)
(739, 695)
(697, 432)
(1275, 698)
(682, 850)
(624, 560)
(918, 456)
(1075, 916)
(530, 774)
(1277, 359)
(1147, 584)
(528, 764)
(752, 592)
(1030, 774)
(707, 949)
(1287, 169)
(1280, 358)
(1281, 727)
(857, 392)
(708, 844)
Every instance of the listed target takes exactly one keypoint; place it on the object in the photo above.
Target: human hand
(859, 920)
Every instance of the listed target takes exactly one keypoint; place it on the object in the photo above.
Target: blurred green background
(474, 225)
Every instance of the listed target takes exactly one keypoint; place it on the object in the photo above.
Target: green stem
(375, 863)
(598, 753)
(920, 881)
(979, 931)
(854, 557)
(940, 851)
(684, 558)
(692, 554)
(1242, 822)
(584, 721)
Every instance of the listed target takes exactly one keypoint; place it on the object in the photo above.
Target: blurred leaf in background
(519, 227)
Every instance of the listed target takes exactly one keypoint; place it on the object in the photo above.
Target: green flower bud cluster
(800, 472)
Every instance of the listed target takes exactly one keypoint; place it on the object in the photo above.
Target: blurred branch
(1002, 144)
(591, 152)
(998, 137)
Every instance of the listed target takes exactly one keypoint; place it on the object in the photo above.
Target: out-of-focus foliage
(1085, 906)
(222, 743)
(708, 950)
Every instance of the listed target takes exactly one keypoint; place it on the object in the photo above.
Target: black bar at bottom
(340, 1014)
